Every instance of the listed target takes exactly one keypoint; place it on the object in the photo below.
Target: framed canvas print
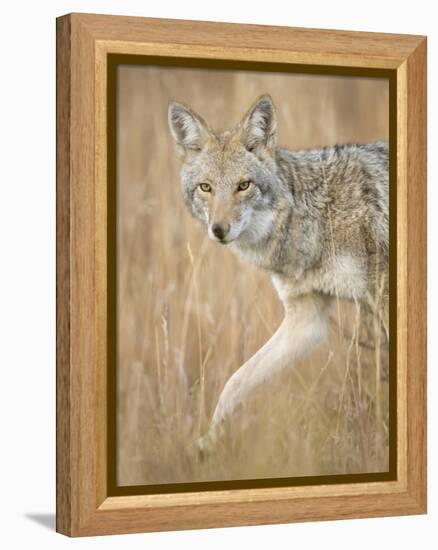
(241, 274)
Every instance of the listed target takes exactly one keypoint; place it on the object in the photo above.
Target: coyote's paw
(205, 445)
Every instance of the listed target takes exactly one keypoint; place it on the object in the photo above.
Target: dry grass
(190, 313)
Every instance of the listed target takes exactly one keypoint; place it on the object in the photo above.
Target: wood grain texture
(86, 416)
(402, 275)
(83, 507)
(80, 416)
(416, 223)
(63, 401)
(225, 514)
(330, 47)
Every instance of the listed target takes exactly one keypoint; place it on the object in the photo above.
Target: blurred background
(190, 313)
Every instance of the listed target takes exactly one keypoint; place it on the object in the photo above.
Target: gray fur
(327, 203)
(316, 219)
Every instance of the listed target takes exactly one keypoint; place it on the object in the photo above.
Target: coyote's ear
(188, 129)
(259, 126)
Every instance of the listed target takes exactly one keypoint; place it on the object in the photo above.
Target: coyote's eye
(244, 185)
(206, 187)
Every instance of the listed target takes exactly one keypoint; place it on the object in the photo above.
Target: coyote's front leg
(303, 327)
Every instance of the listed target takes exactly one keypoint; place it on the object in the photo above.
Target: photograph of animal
(252, 274)
(317, 220)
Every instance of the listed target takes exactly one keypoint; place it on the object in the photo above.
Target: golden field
(190, 313)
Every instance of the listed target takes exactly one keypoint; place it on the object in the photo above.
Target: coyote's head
(229, 180)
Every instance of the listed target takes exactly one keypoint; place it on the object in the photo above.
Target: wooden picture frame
(84, 504)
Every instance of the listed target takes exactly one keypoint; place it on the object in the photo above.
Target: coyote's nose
(220, 230)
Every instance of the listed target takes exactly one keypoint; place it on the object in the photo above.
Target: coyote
(316, 219)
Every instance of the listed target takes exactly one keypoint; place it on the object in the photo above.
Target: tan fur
(317, 220)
